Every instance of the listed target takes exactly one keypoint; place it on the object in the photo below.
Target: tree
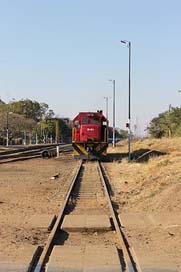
(28, 119)
(31, 109)
(25, 117)
(2, 102)
(123, 134)
(18, 126)
(167, 124)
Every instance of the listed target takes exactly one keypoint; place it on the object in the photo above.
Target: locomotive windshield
(95, 120)
(85, 120)
(91, 120)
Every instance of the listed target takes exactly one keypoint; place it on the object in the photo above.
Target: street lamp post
(106, 97)
(128, 43)
(114, 83)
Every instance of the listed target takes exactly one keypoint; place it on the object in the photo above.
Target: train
(90, 136)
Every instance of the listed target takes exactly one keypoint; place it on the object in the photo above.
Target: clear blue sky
(64, 52)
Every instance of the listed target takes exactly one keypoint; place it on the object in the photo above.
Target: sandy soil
(27, 190)
(147, 196)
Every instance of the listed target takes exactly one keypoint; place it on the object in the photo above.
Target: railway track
(30, 152)
(87, 235)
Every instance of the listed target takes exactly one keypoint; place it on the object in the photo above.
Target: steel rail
(131, 266)
(46, 249)
(20, 154)
(16, 149)
(26, 154)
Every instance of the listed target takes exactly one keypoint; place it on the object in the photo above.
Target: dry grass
(154, 185)
(162, 145)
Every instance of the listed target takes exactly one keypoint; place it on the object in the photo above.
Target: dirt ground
(26, 191)
(147, 195)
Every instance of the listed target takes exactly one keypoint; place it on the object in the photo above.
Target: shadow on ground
(141, 155)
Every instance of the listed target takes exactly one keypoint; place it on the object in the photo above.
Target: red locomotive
(90, 135)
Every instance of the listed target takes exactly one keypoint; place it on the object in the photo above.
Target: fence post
(58, 149)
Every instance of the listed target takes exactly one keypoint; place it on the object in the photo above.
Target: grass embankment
(154, 183)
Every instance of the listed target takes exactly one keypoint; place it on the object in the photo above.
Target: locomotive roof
(89, 113)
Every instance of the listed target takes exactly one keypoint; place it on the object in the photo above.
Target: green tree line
(166, 124)
(30, 121)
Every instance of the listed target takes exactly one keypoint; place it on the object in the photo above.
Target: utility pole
(114, 112)
(114, 130)
(57, 131)
(106, 97)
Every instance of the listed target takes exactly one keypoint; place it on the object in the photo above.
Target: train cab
(90, 135)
